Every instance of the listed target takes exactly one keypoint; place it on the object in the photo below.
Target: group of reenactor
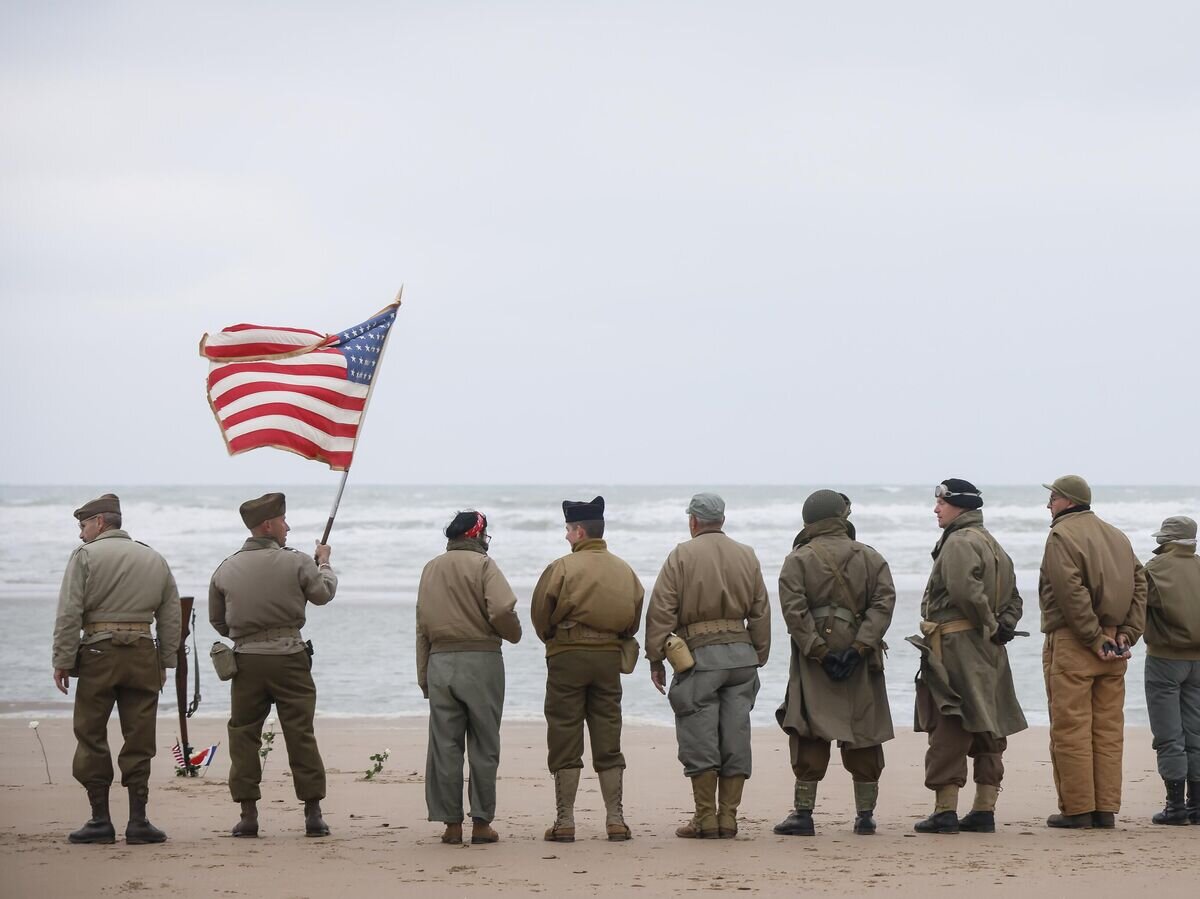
(709, 617)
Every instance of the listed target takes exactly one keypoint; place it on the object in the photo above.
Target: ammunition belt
(713, 626)
(113, 627)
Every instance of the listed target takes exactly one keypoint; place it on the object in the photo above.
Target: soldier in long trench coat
(837, 598)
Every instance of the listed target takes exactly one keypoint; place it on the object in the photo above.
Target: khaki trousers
(123, 671)
(287, 682)
(810, 760)
(583, 686)
(950, 745)
(1086, 698)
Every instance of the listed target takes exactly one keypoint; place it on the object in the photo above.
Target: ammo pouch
(224, 661)
(629, 654)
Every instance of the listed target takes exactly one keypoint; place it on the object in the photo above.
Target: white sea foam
(384, 535)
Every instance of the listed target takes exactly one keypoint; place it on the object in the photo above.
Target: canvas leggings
(123, 671)
(1173, 705)
(466, 700)
(1086, 699)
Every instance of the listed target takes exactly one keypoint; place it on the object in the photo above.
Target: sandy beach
(382, 845)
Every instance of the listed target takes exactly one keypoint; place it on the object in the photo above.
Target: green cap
(1073, 487)
(823, 504)
(255, 511)
(1177, 527)
(707, 507)
(98, 506)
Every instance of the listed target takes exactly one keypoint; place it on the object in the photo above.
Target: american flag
(295, 389)
(201, 759)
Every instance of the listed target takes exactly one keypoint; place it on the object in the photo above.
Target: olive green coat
(855, 711)
(972, 578)
(1173, 603)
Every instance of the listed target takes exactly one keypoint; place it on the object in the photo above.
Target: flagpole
(337, 500)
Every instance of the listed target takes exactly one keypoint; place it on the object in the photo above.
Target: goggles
(941, 491)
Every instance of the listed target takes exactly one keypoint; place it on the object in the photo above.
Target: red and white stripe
(282, 387)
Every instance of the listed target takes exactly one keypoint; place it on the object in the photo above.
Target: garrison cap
(823, 504)
(101, 504)
(593, 511)
(1177, 527)
(255, 511)
(1073, 487)
(706, 507)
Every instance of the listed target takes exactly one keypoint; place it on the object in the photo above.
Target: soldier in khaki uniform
(1173, 666)
(257, 597)
(837, 599)
(966, 701)
(1092, 592)
(465, 607)
(710, 592)
(584, 604)
(112, 589)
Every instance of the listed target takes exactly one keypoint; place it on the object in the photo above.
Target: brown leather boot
(703, 825)
(566, 785)
(248, 825)
(481, 832)
(611, 780)
(453, 834)
(139, 830)
(729, 797)
(99, 828)
(314, 821)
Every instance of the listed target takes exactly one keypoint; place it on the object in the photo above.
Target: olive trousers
(950, 745)
(123, 671)
(466, 699)
(810, 760)
(583, 686)
(1086, 698)
(285, 681)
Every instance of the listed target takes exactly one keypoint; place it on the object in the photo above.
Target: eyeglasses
(941, 491)
(84, 521)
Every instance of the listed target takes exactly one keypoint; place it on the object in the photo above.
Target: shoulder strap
(837, 574)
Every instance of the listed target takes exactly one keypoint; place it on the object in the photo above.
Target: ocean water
(364, 662)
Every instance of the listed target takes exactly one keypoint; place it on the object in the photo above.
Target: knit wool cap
(255, 511)
(593, 511)
(1177, 527)
(957, 485)
(706, 507)
(101, 504)
(823, 504)
(1073, 487)
(464, 522)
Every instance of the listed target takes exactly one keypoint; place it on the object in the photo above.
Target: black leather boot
(1082, 821)
(864, 822)
(938, 822)
(1176, 810)
(314, 824)
(139, 830)
(248, 825)
(99, 828)
(798, 824)
(978, 822)
(1193, 801)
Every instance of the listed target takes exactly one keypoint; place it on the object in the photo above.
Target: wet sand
(382, 845)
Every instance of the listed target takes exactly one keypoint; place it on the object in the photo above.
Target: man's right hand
(322, 553)
(658, 676)
(62, 680)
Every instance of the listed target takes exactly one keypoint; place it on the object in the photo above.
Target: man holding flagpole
(257, 597)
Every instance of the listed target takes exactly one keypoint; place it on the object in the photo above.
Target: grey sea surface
(384, 535)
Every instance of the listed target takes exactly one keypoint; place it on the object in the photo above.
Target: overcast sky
(697, 243)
